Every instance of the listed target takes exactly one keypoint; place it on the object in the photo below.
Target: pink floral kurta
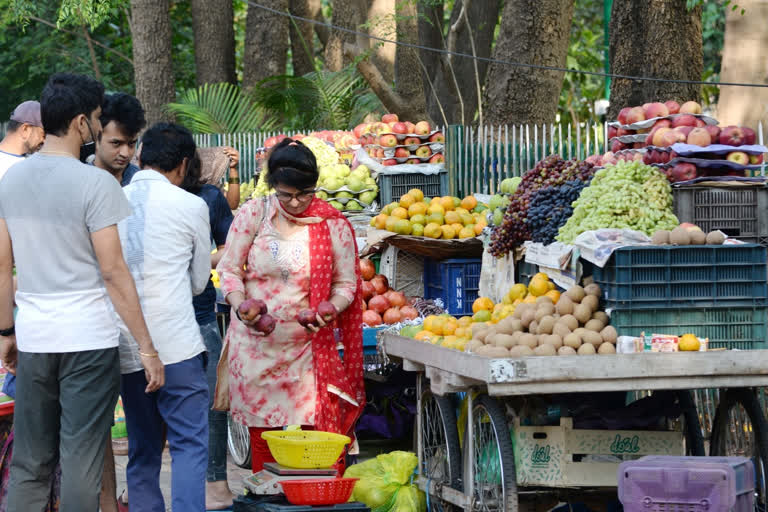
(272, 382)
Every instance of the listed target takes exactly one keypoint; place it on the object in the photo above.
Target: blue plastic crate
(683, 277)
(369, 340)
(277, 503)
(456, 282)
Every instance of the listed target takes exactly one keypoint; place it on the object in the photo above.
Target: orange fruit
(517, 291)
(436, 208)
(434, 201)
(417, 209)
(449, 326)
(469, 203)
(400, 213)
(541, 275)
(417, 194)
(429, 323)
(457, 227)
(433, 230)
(456, 202)
(389, 225)
(467, 219)
(403, 227)
(447, 203)
(465, 321)
(387, 210)
(423, 335)
(481, 224)
(452, 217)
(482, 303)
(417, 229)
(407, 200)
(419, 219)
(448, 232)
(381, 221)
(461, 211)
(530, 299)
(538, 287)
(482, 316)
(467, 232)
(436, 218)
(551, 285)
(554, 295)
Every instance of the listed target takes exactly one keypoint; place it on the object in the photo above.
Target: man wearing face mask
(58, 221)
(24, 136)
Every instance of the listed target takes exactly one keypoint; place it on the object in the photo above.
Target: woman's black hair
(193, 181)
(292, 163)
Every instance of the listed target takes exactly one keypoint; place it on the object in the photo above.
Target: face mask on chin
(88, 148)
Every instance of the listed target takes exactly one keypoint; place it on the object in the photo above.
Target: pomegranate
(327, 311)
(367, 269)
(368, 290)
(392, 316)
(379, 304)
(307, 317)
(397, 299)
(381, 284)
(409, 313)
(371, 318)
(266, 324)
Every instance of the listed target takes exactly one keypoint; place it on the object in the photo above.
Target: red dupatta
(339, 382)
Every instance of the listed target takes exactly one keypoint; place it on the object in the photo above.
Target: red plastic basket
(319, 491)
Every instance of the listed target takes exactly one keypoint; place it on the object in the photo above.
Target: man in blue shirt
(122, 118)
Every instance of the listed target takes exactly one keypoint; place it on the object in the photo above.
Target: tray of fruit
(736, 165)
(717, 149)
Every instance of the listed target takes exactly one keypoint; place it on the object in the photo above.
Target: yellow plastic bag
(385, 483)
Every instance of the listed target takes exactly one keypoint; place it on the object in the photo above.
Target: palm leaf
(220, 108)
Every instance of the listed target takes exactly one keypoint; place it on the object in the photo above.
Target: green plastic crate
(734, 328)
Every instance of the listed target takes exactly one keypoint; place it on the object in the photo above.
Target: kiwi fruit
(528, 318)
(587, 349)
(546, 325)
(606, 348)
(680, 236)
(545, 350)
(570, 321)
(561, 329)
(521, 351)
(698, 237)
(602, 316)
(528, 340)
(572, 340)
(474, 344)
(576, 293)
(593, 338)
(592, 301)
(661, 237)
(582, 313)
(564, 305)
(593, 289)
(715, 238)
(565, 350)
(594, 325)
(609, 334)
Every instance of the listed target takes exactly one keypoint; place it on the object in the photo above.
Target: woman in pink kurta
(292, 250)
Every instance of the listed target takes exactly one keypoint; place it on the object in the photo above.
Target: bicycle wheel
(739, 429)
(440, 450)
(239, 443)
(493, 465)
(694, 440)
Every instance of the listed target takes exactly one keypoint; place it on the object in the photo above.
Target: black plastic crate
(456, 282)
(253, 503)
(739, 212)
(684, 276)
(394, 186)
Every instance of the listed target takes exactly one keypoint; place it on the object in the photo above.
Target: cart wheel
(239, 442)
(694, 440)
(739, 429)
(440, 450)
(493, 467)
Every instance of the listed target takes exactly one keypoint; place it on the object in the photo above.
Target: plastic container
(319, 491)
(739, 212)
(393, 186)
(370, 343)
(690, 484)
(456, 282)
(729, 327)
(403, 270)
(525, 271)
(253, 503)
(689, 276)
(305, 449)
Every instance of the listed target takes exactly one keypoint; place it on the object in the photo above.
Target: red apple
(683, 172)
(379, 128)
(732, 136)
(655, 110)
(367, 269)
(672, 106)
(411, 127)
(755, 159)
(622, 117)
(360, 130)
(690, 107)
(423, 151)
(738, 157)
(437, 137)
(700, 123)
(617, 146)
(638, 145)
(622, 132)
(422, 128)
(608, 159)
(714, 132)
(648, 158)
(379, 153)
(379, 304)
(402, 153)
(749, 135)
(388, 140)
(413, 161)
(327, 311)
(389, 161)
(684, 120)
(437, 159)
(400, 127)
(658, 134)
(371, 318)
(685, 130)
(699, 137)
(412, 141)
(266, 324)
(661, 123)
(389, 118)
(688, 226)
(392, 316)
(612, 132)
(649, 139)
(635, 115)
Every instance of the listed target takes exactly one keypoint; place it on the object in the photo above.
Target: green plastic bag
(385, 483)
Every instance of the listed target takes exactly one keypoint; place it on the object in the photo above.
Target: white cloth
(7, 160)
(167, 245)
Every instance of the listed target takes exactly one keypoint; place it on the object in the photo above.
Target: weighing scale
(267, 481)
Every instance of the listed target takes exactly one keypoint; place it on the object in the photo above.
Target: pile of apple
(394, 142)
(382, 304)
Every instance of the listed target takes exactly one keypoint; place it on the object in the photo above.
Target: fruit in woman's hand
(307, 317)
(266, 324)
(327, 311)
(252, 307)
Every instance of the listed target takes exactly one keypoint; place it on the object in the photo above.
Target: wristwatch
(9, 331)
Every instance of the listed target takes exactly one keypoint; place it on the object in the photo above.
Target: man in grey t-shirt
(58, 220)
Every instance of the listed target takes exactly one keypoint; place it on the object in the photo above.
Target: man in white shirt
(166, 243)
(24, 135)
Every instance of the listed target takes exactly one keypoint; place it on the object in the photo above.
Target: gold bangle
(156, 354)
(233, 181)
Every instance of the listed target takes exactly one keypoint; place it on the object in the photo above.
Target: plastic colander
(317, 492)
(305, 449)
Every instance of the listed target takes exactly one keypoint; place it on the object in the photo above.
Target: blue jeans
(217, 420)
(182, 405)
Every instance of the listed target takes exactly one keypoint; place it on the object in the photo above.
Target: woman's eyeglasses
(302, 197)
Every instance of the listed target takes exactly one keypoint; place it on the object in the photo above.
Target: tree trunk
(456, 79)
(381, 16)
(533, 32)
(213, 26)
(346, 14)
(303, 39)
(744, 61)
(266, 42)
(153, 69)
(674, 35)
(407, 66)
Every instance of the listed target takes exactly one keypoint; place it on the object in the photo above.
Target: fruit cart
(481, 471)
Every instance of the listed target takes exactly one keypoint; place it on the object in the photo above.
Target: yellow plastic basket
(305, 449)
